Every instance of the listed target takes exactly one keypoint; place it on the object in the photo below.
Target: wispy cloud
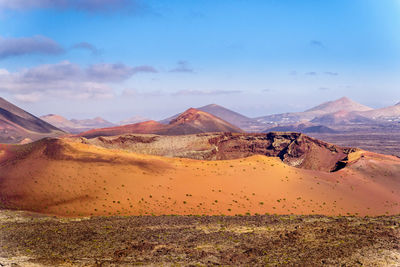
(86, 46)
(316, 43)
(83, 5)
(29, 97)
(311, 73)
(324, 89)
(10, 47)
(330, 73)
(114, 72)
(128, 92)
(205, 92)
(66, 79)
(183, 66)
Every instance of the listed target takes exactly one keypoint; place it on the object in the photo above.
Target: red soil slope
(65, 177)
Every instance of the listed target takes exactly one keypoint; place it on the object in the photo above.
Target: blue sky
(117, 59)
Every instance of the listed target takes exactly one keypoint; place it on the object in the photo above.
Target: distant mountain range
(19, 126)
(341, 104)
(74, 125)
(341, 115)
(332, 114)
(391, 113)
(320, 119)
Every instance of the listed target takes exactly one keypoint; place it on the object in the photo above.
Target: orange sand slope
(64, 177)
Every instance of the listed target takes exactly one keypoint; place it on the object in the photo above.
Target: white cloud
(30, 97)
(67, 80)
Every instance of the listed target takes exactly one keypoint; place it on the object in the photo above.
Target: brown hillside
(66, 177)
(141, 127)
(190, 122)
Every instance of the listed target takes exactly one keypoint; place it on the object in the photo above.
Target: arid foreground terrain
(282, 173)
(201, 199)
(264, 240)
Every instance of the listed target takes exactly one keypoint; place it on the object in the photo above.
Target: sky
(154, 58)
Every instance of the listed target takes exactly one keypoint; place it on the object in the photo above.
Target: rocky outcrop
(295, 149)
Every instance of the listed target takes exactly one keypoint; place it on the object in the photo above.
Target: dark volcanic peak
(191, 121)
(227, 115)
(17, 125)
(189, 115)
(224, 113)
(197, 121)
(237, 119)
(5, 105)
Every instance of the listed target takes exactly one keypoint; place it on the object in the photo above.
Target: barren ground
(385, 143)
(68, 178)
(268, 240)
